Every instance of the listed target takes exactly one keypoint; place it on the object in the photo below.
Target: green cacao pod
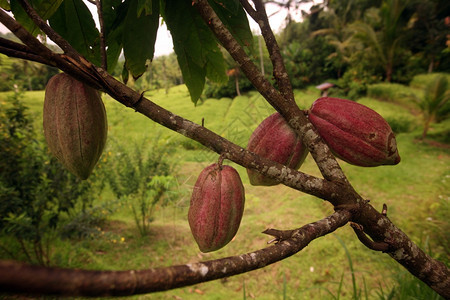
(75, 124)
(216, 207)
(274, 139)
(354, 132)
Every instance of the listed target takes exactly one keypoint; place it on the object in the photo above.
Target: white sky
(164, 44)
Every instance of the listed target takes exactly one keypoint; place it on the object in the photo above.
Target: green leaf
(114, 12)
(145, 6)
(5, 5)
(215, 66)
(196, 47)
(233, 16)
(139, 37)
(74, 22)
(44, 8)
(193, 75)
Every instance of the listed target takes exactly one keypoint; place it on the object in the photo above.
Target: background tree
(434, 103)
(196, 28)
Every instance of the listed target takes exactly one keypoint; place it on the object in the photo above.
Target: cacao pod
(354, 132)
(274, 139)
(75, 125)
(216, 207)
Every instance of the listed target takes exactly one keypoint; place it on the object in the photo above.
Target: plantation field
(417, 193)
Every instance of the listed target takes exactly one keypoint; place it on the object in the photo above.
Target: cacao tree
(88, 54)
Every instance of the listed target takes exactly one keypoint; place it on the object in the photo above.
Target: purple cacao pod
(275, 140)
(216, 207)
(354, 132)
(75, 125)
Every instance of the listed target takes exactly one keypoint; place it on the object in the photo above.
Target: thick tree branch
(326, 162)
(63, 62)
(21, 51)
(21, 278)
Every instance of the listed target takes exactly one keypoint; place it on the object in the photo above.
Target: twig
(279, 70)
(102, 35)
(21, 278)
(55, 37)
(280, 235)
(384, 211)
(376, 246)
(48, 56)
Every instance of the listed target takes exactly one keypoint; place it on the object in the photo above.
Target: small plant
(142, 179)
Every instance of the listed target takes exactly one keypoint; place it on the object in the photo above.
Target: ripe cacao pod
(354, 132)
(75, 124)
(216, 207)
(275, 140)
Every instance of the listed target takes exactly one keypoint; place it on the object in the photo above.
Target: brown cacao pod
(216, 207)
(354, 132)
(275, 140)
(75, 124)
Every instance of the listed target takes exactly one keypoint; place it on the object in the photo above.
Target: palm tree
(436, 96)
(385, 43)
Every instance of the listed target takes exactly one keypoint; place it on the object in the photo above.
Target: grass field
(416, 191)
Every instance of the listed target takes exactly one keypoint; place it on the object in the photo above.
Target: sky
(164, 46)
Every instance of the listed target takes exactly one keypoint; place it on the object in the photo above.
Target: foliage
(143, 177)
(390, 92)
(18, 74)
(435, 103)
(36, 191)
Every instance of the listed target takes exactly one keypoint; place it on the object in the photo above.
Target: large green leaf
(139, 36)
(114, 12)
(196, 47)
(74, 22)
(44, 8)
(233, 16)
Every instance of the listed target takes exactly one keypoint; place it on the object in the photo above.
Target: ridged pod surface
(75, 124)
(275, 140)
(354, 132)
(216, 207)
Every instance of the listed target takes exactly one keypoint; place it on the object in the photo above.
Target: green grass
(416, 192)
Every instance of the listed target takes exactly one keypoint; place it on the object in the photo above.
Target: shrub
(422, 80)
(35, 190)
(141, 178)
(391, 92)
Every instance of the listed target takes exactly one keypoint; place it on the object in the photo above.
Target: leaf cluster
(131, 26)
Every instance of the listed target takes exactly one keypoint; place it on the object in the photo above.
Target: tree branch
(279, 70)
(42, 24)
(63, 62)
(326, 162)
(21, 51)
(22, 278)
(98, 3)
